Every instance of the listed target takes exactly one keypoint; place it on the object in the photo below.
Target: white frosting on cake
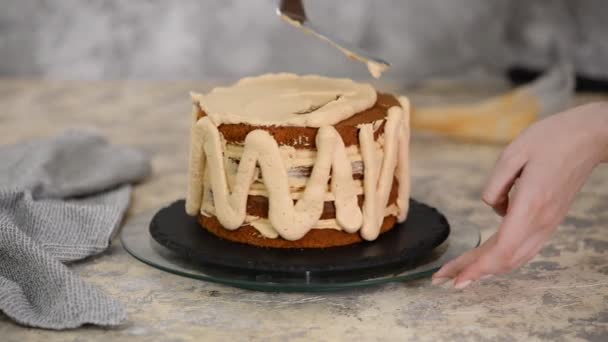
(221, 189)
(287, 100)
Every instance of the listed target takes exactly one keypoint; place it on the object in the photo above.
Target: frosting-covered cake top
(286, 100)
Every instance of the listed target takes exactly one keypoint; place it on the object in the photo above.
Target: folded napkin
(61, 199)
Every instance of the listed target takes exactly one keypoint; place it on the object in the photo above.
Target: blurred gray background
(197, 39)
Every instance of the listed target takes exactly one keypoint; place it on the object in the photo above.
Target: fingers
(453, 268)
(530, 247)
(501, 206)
(502, 178)
(515, 242)
(508, 249)
(490, 263)
(493, 257)
(500, 259)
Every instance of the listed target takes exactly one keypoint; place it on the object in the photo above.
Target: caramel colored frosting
(287, 100)
(220, 188)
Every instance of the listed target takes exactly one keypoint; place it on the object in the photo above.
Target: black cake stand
(170, 240)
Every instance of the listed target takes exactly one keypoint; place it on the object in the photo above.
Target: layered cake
(288, 161)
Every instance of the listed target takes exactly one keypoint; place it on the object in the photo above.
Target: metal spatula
(293, 12)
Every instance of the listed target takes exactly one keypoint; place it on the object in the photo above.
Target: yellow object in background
(501, 118)
(497, 119)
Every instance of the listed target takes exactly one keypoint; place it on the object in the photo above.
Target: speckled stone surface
(561, 295)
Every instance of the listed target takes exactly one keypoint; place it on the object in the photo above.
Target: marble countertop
(561, 295)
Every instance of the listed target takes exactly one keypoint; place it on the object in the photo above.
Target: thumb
(501, 180)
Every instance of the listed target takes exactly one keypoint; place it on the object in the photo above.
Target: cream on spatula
(293, 13)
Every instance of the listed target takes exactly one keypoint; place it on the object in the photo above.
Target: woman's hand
(532, 186)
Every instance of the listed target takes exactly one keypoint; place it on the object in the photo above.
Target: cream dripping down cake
(288, 161)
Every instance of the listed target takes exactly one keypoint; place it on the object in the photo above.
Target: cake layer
(304, 137)
(258, 205)
(315, 238)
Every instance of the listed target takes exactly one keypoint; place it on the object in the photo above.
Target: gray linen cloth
(61, 200)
